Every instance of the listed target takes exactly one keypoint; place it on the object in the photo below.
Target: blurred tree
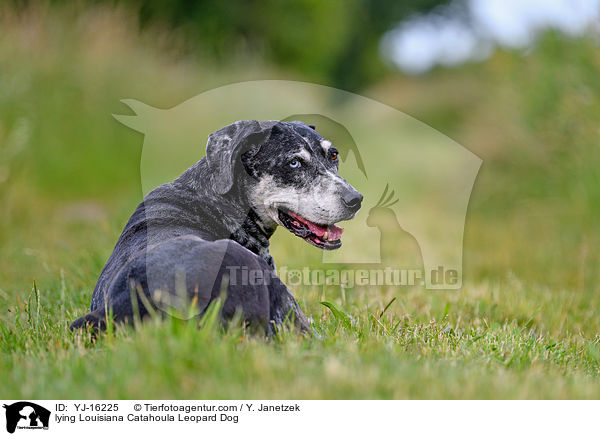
(359, 61)
(335, 41)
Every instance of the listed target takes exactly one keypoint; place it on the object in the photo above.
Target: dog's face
(295, 184)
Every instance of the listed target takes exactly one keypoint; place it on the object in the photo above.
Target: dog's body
(216, 219)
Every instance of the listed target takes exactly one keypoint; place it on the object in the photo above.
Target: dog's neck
(253, 235)
(228, 215)
(247, 228)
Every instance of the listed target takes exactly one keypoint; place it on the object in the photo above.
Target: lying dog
(187, 238)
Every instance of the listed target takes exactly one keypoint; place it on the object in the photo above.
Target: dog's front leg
(283, 306)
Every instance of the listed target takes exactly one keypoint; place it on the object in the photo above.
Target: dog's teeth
(326, 236)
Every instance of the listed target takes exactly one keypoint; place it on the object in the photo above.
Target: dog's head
(290, 174)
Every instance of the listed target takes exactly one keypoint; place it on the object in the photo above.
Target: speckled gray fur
(219, 214)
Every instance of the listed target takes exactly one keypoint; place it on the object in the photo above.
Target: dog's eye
(295, 163)
(333, 154)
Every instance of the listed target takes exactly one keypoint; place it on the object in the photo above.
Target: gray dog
(207, 232)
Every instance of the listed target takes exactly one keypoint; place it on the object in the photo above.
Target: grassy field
(526, 323)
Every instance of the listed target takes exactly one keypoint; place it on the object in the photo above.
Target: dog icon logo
(26, 415)
(430, 174)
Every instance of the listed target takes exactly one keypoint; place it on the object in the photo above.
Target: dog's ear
(225, 147)
(312, 126)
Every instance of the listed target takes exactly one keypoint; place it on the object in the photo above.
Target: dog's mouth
(325, 237)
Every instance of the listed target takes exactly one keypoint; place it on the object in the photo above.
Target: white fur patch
(318, 202)
(325, 144)
(304, 154)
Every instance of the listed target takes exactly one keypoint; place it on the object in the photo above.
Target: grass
(526, 323)
(389, 356)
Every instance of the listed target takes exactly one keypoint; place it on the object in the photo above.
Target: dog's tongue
(334, 232)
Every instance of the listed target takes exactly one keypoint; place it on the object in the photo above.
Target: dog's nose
(352, 199)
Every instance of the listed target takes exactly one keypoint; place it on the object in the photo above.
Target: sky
(470, 30)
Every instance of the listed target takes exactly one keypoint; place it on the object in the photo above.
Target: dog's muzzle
(324, 236)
